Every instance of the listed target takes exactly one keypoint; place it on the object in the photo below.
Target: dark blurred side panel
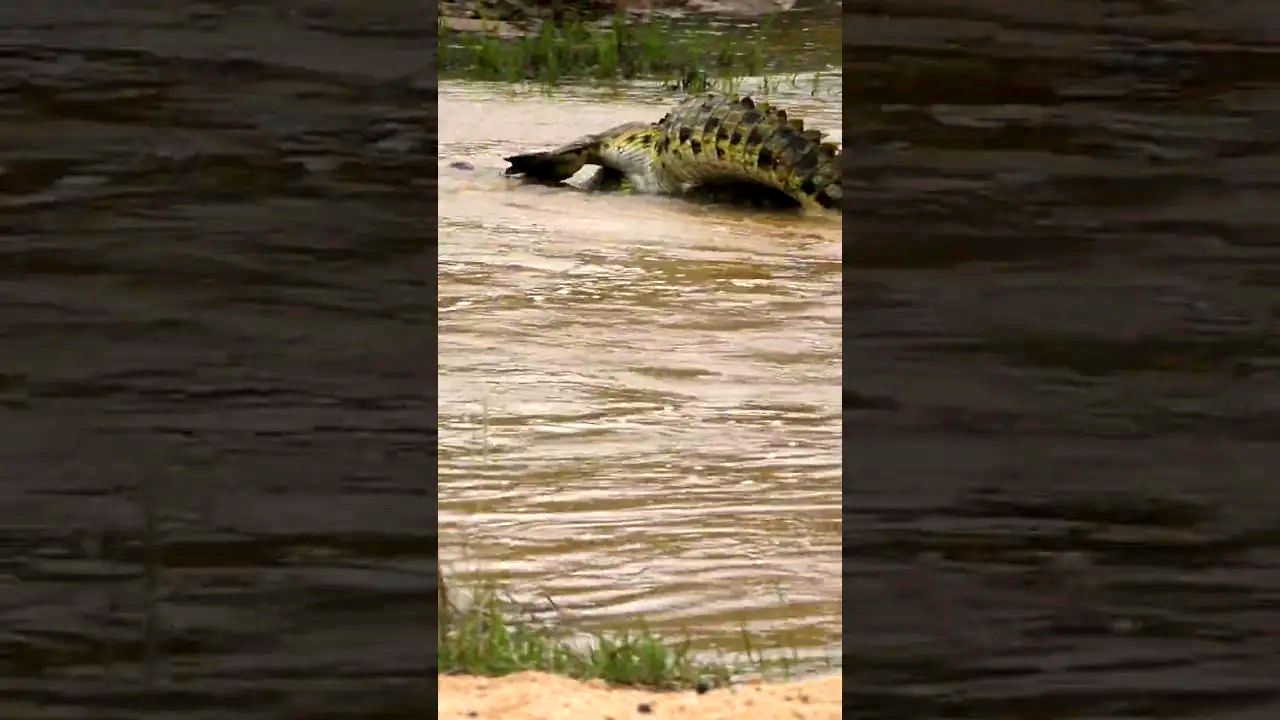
(1062, 363)
(217, 359)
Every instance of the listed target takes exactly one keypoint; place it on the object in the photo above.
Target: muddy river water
(639, 396)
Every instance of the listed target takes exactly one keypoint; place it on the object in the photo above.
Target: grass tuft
(618, 49)
(483, 638)
(486, 636)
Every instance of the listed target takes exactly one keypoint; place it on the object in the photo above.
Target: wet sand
(538, 696)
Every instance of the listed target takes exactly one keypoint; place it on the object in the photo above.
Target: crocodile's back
(715, 138)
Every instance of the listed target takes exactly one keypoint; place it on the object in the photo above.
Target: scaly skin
(706, 141)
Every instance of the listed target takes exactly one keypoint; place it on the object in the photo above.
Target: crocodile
(727, 144)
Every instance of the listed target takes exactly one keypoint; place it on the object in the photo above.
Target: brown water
(1062, 370)
(639, 397)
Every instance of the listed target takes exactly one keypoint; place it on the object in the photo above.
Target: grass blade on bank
(486, 636)
(483, 638)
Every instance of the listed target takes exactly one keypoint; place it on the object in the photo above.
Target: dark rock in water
(460, 165)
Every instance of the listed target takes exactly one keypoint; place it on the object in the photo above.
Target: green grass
(486, 636)
(618, 49)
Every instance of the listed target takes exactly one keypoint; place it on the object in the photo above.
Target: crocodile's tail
(563, 162)
(713, 138)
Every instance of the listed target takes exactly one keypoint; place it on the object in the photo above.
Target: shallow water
(1062, 359)
(639, 396)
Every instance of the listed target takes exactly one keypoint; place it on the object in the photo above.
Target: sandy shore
(538, 696)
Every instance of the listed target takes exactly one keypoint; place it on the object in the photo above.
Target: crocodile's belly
(632, 154)
(713, 138)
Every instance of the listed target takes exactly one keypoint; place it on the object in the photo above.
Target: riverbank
(497, 664)
(517, 11)
(685, 50)
(539, 696)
